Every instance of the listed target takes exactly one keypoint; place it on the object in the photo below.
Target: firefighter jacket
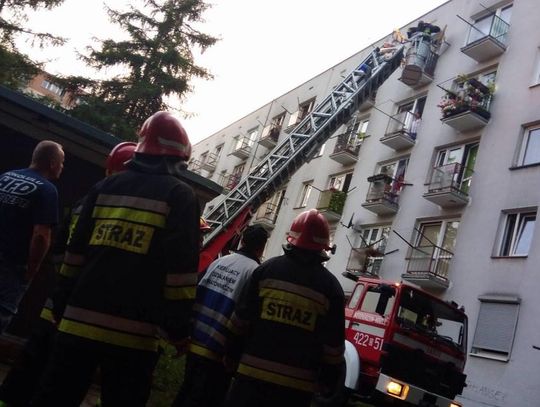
(292, 322)
(217, 295)
(134, 255)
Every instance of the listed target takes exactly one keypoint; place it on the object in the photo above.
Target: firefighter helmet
(119, 156)
(204, 227)
(163, 134)
(310, 231)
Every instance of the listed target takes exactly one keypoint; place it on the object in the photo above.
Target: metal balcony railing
(332, 200)
(463, 96)
(420, 55)
(195, 166)
(243, 146)
(498, 30)
(211, 162)
(348, 142)
(404, 123)
(229, 181)
(432, 260)
(267, 213)
(450, 178)
(383, 188)
(366, 260)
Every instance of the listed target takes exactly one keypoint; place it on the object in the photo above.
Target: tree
(16, 68)
(157, 60)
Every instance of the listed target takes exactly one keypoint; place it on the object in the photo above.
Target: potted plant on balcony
(470, 95)
(337, 201)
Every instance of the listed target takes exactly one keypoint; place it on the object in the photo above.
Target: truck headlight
(397, 389)
(454, 404)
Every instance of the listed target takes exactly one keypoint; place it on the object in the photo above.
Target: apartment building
(433, 181)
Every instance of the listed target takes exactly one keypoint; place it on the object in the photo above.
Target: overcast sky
(266, 47)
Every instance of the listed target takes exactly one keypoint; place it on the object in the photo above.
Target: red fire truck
(404, 344)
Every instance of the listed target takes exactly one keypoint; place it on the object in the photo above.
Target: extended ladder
(304, 141)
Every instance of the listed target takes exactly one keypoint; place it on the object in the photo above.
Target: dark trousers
(247, 392)
(205, 383)
(126, 374)
(22, 380)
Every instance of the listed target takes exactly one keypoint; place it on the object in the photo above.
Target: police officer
(206, 379)
(22, 380)
(135, 251)
(289, 327)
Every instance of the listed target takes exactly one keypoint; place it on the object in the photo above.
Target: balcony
(269, 137)
(446, 187)
(428, 267)
(195, 166)
(365, 261)
(229, 181)
(420, 63)
(331, 203)
(347, 148)
(401, 131)
(210, 163)
(484, 44)
(382, 196)
(242, 149)
(465, 106)
(266, 215)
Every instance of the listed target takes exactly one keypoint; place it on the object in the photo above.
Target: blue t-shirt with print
(26, 199)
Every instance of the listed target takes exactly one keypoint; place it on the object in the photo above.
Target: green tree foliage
(16, 68)
(157, 61)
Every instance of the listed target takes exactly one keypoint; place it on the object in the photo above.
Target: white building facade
(432, 182)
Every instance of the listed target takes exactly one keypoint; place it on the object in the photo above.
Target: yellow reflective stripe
(180, 293)
(72, 225)
(69, 271)
(46, 314)
(133, 202)
(122, 235)
(108, 336)
(215, 315)
(131, 215)
(291, 298)
(204, 352)
(210, 331)
(276, 378)
(296, 289)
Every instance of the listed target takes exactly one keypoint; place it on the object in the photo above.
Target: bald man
(28, 211)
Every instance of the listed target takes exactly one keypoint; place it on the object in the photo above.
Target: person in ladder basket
(135, 251)
(288, 328)
(22, 380)
(206, 380)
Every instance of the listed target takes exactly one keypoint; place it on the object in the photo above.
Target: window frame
(484, 319)
(523, 146)
(303, 197)
(505, 239)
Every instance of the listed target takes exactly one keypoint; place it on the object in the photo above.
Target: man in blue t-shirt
(28, 211)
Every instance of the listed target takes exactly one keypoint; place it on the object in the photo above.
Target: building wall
(475, 270)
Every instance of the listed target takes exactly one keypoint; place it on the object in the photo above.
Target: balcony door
(464, 159)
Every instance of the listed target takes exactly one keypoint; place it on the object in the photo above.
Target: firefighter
(135, 251)
(288, 329)
(22, 380)
(206, 380)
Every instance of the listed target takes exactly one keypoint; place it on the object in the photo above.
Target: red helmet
(118, 157)
(204, 227)
(163, 134)
(310, 231)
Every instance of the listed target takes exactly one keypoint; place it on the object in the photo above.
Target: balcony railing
(242, 149)
(428, 266)
(420, 63)
(383, 194)
(466, 105)
(366, 261)
(401, 130)
(269, 138)
(449, 185)
(331, 203)
(210, 163)
(195, 166)
(267, 214)
(347, 148)
(486, 43)
(229, 181)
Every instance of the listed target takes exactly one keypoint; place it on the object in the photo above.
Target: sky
(266, 48)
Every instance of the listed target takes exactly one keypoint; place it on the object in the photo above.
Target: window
(217, 151)
(304, 195)
(530, 146)
(303, 110)
(320, 152)
(536, 72)
(277, 122)
(204, 157)
(379, 299)
(441, 233)
(517, 233)
(496, 327)
(454, 166)
(52, 87)
(252, 136)
(375, 238)
(340, 182)
(355, 297)
(396, 170)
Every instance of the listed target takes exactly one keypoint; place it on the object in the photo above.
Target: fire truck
(404, 344)
(401, 342)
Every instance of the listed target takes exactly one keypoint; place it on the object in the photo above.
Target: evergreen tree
(157, 61)
(16, 68)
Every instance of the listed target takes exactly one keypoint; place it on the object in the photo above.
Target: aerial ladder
(271, 173)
